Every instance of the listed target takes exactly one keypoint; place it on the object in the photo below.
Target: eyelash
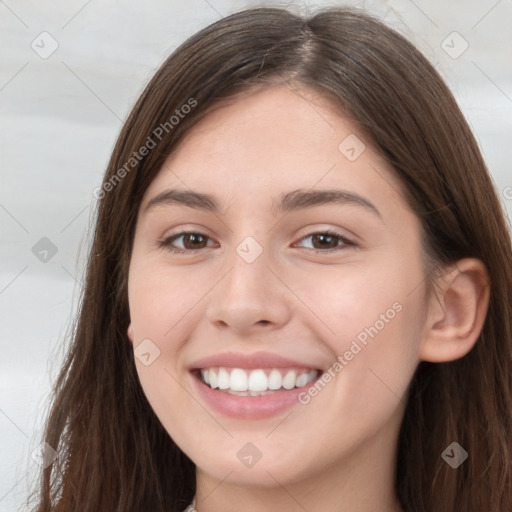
(167, 241)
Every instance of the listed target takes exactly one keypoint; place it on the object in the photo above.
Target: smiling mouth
(256, 382)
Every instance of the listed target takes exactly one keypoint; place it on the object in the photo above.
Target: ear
(457, 311)
(130, 332)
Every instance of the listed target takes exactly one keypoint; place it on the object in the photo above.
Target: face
(304, 287)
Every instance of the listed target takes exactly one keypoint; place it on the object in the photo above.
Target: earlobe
(457, 312)
(130, 332)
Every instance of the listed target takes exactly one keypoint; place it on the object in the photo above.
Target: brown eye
(193, 241)
(190, 241)
(327, 241)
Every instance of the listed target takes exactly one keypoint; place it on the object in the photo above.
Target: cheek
(160, 298)
(161, 304)
(372, 322)
(156, 305)
(165, 307)
(347, 300)
(375, 353)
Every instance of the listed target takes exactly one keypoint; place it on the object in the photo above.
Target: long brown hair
(114, 454)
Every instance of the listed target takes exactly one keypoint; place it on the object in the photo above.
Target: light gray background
(60, 117)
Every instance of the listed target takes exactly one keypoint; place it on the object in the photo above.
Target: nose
(250, 296)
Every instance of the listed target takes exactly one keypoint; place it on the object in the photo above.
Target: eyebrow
(287, 202)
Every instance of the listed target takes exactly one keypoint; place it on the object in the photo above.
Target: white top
(192, 506)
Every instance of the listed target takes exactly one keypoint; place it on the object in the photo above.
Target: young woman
(299, 294)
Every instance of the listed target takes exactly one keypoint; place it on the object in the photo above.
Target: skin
(338, 451)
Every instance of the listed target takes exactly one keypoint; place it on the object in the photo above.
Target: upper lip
(248, 361)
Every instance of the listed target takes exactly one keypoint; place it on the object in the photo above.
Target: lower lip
(249, 407)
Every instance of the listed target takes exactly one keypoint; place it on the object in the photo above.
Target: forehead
(276, 139)
(271, 124)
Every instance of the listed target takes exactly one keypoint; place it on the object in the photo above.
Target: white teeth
(256, 382)
(213, 379)
(289, 380)
(302, 380)
(274, 379)
(223, 379)
(238, 380)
